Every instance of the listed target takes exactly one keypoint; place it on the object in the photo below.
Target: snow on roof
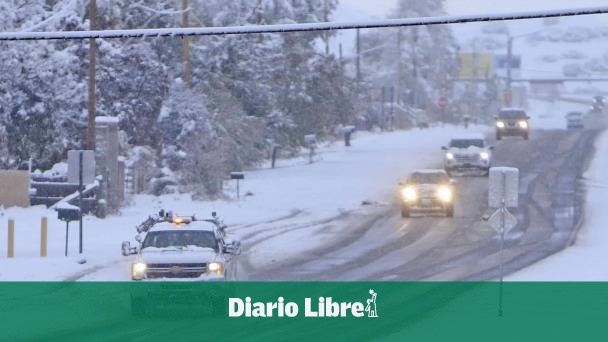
(196, 225)
(469, 136)
(512, 109)
(106, 119)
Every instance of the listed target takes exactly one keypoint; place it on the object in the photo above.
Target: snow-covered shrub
(142, 163)
(550, 58)
(574, 70)
(573, 54)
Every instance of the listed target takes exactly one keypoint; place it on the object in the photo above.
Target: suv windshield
(429, 178)
(512, 114)
(465, 143)
(180, 238)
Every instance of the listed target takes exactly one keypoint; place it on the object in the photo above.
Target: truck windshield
(429, 178)
(180, 238)
(512, 114)
(466, 143)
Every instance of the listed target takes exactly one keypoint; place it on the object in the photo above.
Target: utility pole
(399, 66)
(415, 66)
(90, 139)
(186, 46)
(326, 19)
(358, 55)
(509, 94)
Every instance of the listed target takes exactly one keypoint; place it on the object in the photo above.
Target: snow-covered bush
(574, 70)
(573, 54)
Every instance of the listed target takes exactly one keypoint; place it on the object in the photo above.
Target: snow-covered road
(295, 193)
(300, 213)
(587, 259)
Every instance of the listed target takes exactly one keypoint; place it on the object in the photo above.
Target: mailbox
(348, 129)
(310, 139)
(68, 214)
(237, 175)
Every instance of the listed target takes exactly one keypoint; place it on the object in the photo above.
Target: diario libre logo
(323, 307)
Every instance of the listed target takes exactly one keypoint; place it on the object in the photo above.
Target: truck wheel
(486, 171)
(138, 306)
(449, 211)
(498, 136)
(405, 211)
(526, 136)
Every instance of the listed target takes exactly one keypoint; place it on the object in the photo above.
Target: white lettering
(291, 309)
(332, 309)
(308, 308)
(325, 307)
(357, 309)
(270, 308)
(281, 307)
(236, 307)
(258, 310)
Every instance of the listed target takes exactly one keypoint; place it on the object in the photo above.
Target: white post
(502, 241)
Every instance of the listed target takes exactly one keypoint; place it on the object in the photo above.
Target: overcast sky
(352, 10)
(378, 8)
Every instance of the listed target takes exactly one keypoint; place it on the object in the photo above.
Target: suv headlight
(216, 268)
(449, 156)
(500, 124)
(445, 194)
(484, 155)
(138, 270)
(523, 124)
(409, 193)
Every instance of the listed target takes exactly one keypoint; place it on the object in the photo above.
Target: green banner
(266, 311)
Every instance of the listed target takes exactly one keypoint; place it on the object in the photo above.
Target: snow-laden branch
(159, 12)
(325, 26)
(63, 12)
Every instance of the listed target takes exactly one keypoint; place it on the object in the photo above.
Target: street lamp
(509, 61)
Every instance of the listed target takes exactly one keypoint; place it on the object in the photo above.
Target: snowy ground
(552, 114)
(587, 260)
(296, 191)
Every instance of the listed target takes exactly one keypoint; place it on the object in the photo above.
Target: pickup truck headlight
(484, 155)
(444, 194)
(449, 156)
(409, 193)
(523, 124)
(500, 124)
(138, 270)
(216, 268)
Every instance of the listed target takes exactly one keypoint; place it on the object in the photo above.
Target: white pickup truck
(468, 153)
(181, 248)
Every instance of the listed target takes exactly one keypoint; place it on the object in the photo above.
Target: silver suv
(468, 153)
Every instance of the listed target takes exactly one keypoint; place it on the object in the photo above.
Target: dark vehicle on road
(574, 120)
(512, 122)
(597, 104)
(427, 191)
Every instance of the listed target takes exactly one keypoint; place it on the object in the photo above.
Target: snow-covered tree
(417, 61)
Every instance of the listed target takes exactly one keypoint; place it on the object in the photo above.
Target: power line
(325, 26)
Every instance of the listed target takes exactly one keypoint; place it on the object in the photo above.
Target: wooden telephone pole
(186, 46)
(90, 139)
